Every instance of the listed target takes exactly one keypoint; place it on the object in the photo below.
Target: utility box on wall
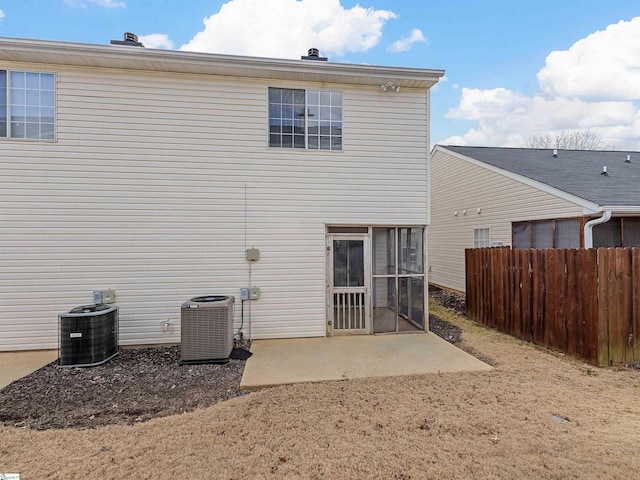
(104, 296)
(253, 254)
(252, 293)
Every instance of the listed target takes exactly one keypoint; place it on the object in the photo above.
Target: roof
(138, 58)
(576, 172)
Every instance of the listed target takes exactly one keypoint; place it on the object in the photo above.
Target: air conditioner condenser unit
(206, 329)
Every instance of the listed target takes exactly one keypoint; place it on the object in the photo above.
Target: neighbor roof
(577, 172)
(137, 58)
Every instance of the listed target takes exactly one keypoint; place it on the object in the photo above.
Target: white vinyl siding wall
(458, 185)
(158, 182)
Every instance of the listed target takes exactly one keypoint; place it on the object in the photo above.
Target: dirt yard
(536, 415)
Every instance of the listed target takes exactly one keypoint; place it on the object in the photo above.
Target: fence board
(537, 324)
(525, 290)
(635, 303)
(602, 333)
(626, 307)
(571, 323)
(588, 300)
(551, 299)
(582, 302)
(515, 290)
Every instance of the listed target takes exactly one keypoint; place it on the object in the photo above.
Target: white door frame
(351, 315)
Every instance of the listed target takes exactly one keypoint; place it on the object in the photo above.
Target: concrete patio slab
(15, 365)
(276, 362)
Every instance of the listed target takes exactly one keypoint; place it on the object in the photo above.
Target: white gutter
(623, 209)
(148, 59)
(588, 228)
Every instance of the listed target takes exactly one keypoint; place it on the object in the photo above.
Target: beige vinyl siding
(458, 185)
(158, 182)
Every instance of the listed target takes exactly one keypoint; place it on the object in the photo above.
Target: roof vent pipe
(130, 39)
(604, 172)
(314, 54)
(555, 153)
(628, 160)
(588, 228)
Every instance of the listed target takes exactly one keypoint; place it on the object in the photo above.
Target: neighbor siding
(458, 185)
(158, 182)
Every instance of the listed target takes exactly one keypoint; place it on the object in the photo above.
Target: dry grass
(495, 424)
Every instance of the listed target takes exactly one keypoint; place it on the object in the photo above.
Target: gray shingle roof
(577, 172)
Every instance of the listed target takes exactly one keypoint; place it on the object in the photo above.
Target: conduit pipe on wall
(588, 227)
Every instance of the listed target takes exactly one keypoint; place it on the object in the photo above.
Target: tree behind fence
(585, 303)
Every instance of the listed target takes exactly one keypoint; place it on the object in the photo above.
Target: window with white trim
(481, 237)
(27, 105)
(310, 119)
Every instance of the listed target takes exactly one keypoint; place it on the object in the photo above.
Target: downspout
(425, 235)
(588, 228)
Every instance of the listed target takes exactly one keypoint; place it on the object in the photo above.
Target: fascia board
(138, 58)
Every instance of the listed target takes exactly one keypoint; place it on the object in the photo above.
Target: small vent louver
(207, 329)
(314, 54)
(130, 39)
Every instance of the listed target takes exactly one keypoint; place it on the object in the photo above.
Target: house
(528, 198)
(161, 174)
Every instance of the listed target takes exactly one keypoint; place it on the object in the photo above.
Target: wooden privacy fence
(585, 303)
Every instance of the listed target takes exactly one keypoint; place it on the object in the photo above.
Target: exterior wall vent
(130, 39)
(314, 54)
(555, 153)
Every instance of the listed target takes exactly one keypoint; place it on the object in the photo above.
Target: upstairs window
(27, 105)
(310, 119)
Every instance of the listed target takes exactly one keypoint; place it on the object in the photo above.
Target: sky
(514, 69)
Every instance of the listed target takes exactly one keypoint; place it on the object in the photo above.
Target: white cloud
(156, 40)
(506, 118)
(603, 66)
(480, 104)
(405, 43)
(1, 14)
(576, 93)
(288, 28)
(101, 3)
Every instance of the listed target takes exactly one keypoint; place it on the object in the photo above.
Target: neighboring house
(528, 198)
(151, 172)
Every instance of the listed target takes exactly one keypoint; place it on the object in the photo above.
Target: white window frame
(335, 106)
(478, 241)
(9, 104)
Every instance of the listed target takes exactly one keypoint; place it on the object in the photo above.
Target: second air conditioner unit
(88, 335)
(207, 329)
